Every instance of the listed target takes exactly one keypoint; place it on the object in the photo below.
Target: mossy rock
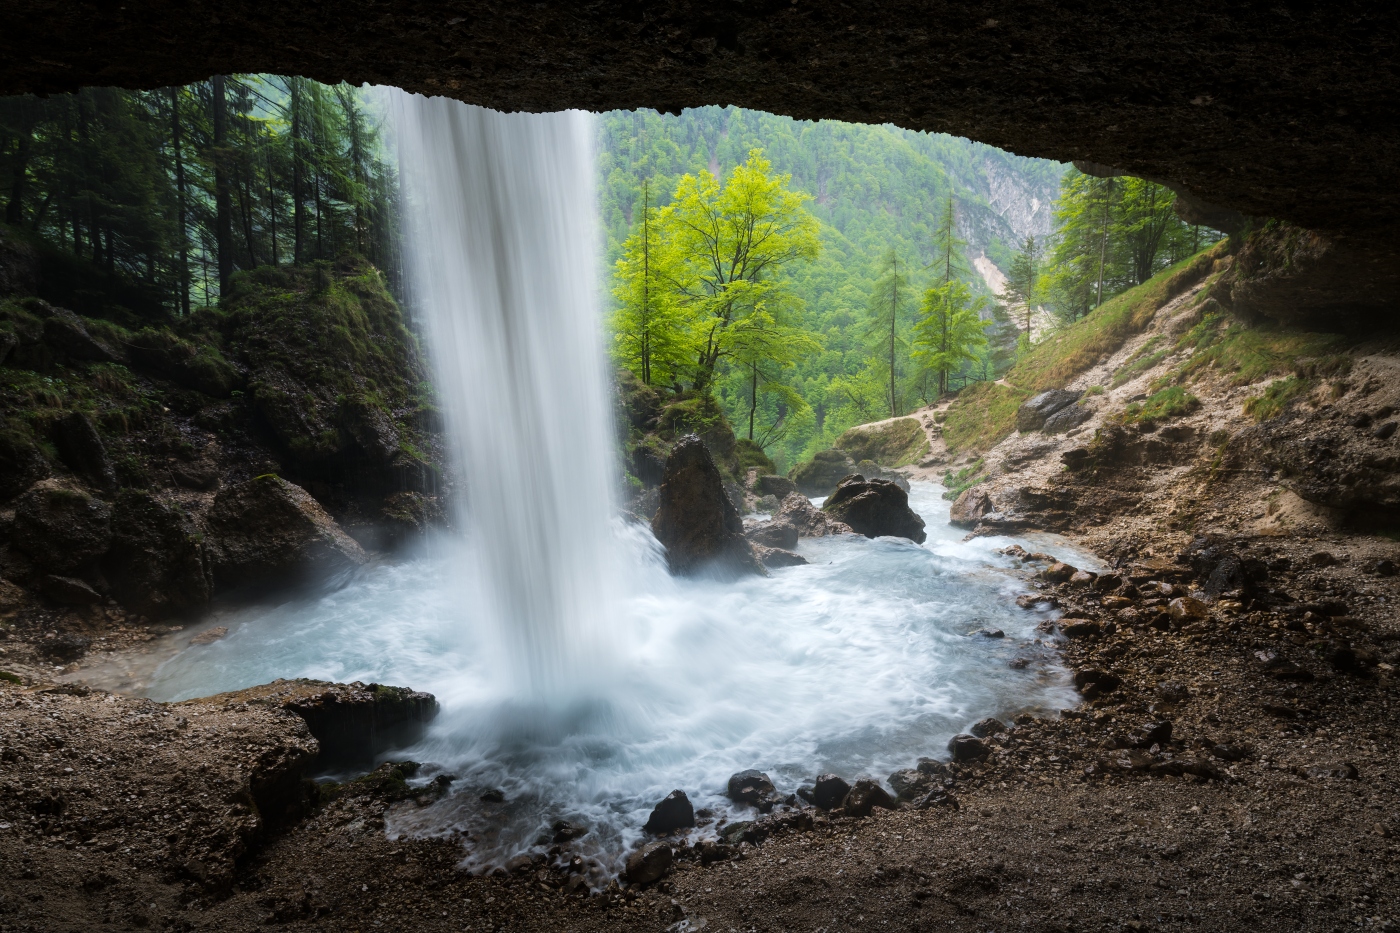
(751, 456)
(889, 443)
(195, 366)
(819, 476)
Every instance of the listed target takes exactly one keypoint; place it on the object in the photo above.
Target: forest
(899, 266)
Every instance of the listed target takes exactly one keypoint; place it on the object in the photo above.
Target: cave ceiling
(1287, 109)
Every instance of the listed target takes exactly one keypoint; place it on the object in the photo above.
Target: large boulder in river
(874, 508)
(696, 521)
(268, 530)
(819, 476)
(156, 564)
(1033, 414)
(969, 507)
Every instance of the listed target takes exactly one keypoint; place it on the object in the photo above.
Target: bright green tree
(729, 246)
(650, 336)
(950, 330)
(1023, 287)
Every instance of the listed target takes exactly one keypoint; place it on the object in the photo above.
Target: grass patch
(9, 678)
(894, 444)
(1250, 354)
(1277, 397)
(1167, 403)
(985, 413)
(1146, 357)
(1093, 391)
(955, 484)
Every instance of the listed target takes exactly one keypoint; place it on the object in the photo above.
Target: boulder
(201, 368)
(969, 507)
(829, 791)
(967, 748)
(774, 557)
(1033, 414)
(65, 331)
(752, 788)
(910, 784)
(985, 727)
(82, 451)
(267, 530)
(810, 522)
(22, 463)
(156, 564)
(696, 521)
(819, 476)
(874, 508)
(1058, 572)
(1066, 419)
(672, 813)
(778, 486)
(60, 527)
(776, 533)
(873, 470)
(649, 863)
(864, 796)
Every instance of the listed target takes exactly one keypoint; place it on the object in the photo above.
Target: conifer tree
(890, 303)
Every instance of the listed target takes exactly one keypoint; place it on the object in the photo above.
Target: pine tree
(949, 331)
(890, 302)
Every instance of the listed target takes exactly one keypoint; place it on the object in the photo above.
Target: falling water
(503, 260)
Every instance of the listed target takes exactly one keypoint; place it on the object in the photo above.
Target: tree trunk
(753, 395)
(181, 208)
(298, 194)
(223, 221)
(14, 211)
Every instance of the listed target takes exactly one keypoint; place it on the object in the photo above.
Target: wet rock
(985, 727)
(829, 790)
(650, 863)
(672, 813)
(696, 521)
(1092, 683)
(874, 508)
(65, 646)
(1057, 572)
(933, 767)
(1080, 628)
(775, 557)
(967, 748)
(864, 796)
(1082, 578)
(778, 486)
(209, 636)
(991, 633)
(156, 564)
(910, 784)
(711, 852)
(267, 530)
(970, 507)
(873, 470)
(492, 795)
(1187, 609)
(1033, 414)
(809, 521)
(82, 451)
(1107, 583)
(563, 831)
(818, 476)
(201, 368)
(752, 788)
(776, 533)
(60, 527)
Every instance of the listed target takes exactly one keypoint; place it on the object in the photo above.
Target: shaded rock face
(61, 528)
(1066, 419)
(354, 723)
(270, 530)
(1033, 414)
(672, 813)
(775, 557)
(775, 533)
(778, 486)
(82, 450)
(696, 521)
(874, 508)
(1326, 461)
(818, 476)
(815, 61)
(21, 462)
(156, 563)
(649, 863)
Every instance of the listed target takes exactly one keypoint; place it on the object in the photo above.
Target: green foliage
(1167, 403)
(890, 444)
(751, 456)
(9, 678)
(891, 300)
(955, 484)
(1248, 354)
(950, 330)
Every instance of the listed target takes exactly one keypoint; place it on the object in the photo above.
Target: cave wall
(1288, 109)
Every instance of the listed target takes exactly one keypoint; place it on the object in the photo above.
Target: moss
(1093, 391)
(1167, 403)
(1250, 354)
(388, 782)
(955, 484)
(1277, 397)
(892, 444)
(751, 456)
(9, 678)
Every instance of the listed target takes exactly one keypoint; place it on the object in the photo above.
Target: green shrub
(1167, 403)
(1277, 397)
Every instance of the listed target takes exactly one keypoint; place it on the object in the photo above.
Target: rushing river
(858, 663)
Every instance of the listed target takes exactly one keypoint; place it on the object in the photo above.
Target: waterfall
(501, 221)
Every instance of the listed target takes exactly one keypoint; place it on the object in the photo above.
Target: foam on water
(858, 663)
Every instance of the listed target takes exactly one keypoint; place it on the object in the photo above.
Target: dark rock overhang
(1286, 109)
